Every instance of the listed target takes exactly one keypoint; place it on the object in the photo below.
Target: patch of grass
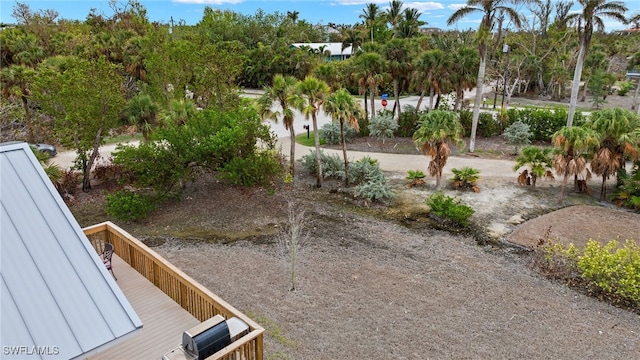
(274, 331)
(303, 140)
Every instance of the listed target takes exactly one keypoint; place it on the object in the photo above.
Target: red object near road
(384, 102)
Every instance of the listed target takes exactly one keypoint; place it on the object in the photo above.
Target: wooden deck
(162, 318)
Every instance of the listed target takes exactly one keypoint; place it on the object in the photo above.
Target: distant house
(334, 51)
(57, 299)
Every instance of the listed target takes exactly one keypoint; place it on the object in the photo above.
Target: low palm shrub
(466, 178)
(415, 178)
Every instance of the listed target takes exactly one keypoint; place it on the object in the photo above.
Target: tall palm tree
(398, 56)
(436, 64)
(370, 15)
(345, 109)
(314, 92)
(489, 10)
(410, 24)
(465, 65)
(142, 112)
(370, 73)
(436, 129)
(572, 144)
(592, 15)
(352, 37)
(617, 130)
(293, 16)
(394, 14)
(284, 92)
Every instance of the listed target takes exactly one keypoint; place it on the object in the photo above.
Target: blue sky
(313, 11)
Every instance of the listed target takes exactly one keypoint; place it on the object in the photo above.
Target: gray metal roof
(56, 296)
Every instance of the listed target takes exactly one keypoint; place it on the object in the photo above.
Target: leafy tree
(572, 144)
(596, 87)
(85, 98)
(592, 15)
(346, 110)
(436, 129)
(619, 137)
(538, 160)
(314, 92)
(489, 10)
(142, 112)
(15, 81)
(284, 92)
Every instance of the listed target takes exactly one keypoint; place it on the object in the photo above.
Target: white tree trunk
(575, 86)
(476, 106)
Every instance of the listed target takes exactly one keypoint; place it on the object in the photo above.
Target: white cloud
(361, 2)
(208, 2)
(456, 6)
(423, 6)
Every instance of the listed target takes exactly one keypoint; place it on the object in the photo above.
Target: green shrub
(625, 87)
(466, 118)
(518, 134)
(627, 193)
(543, 123)
(408, 122)
(375, 189)
(256, 169)
(364, 170)
(466, 178)
(128, 205)
(488, 126)
(450, 208)
(415, 178)
(613, 269)
(363, 125)
(332, 165)
(383, 126)
(330, 133)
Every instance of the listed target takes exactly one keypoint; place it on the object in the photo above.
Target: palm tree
(293, 16)
(352, 37)
(370, 15)
(490, 9)
(410, 23)
(15, 81)
(617, 130)
(593, 13)
(572, 143)
(142, 112)
(284, 91)
(538, 160)
(436, 65)
(436, 129)
(465, 63)
(398, 57)
(394, 14)
(369, 74)
(179, 112)
(314, 92)
(343, 108)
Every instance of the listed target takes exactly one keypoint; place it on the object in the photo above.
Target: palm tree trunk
(396, 92)
(584, 90)
(420, 100)
(366, 107)
(86, 175)
(344, 154)
(476, 106)
(575, 86)
(431, 93)
(292, 153)
(372, 94)
(565, 180)
(316, 139)
(635, 97)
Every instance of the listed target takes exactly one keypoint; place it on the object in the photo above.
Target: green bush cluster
(330, 132)
(488, 124)
(383, 126)
(332, 165)
(376, 189)
(128, 205)
(627, 193)
(254, 169)
(450, 208)
(543, 123)
(613, 269)
(625, 87)
(408, 121)
(364, 170)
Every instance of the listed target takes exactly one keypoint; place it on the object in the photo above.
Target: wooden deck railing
(193, 297)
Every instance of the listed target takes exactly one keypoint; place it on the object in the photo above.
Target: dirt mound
(577, 225)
